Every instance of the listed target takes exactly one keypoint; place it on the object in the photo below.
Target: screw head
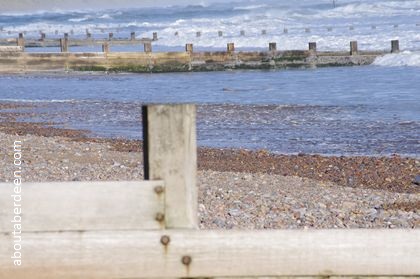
(159, 189)
(165, 239)
(160, 217)
(186, 260)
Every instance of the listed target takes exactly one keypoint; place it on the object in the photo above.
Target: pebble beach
(237, 188)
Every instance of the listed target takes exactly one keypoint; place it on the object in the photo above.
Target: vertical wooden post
(353, 48)
(264, 32)
(220, 33)
(312, 48)
(242, 32)
(148, 47)
(105, 47)
(285, 30)
(42, 36)
(132, 36)
(64, 43)
(110, 36)
(272, 46)
(189, 48)
(21, 41)
(155, 36)
(170, 154)
(395, 46)
(230, 47)
(198, 34)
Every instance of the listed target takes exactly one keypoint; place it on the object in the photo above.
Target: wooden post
(230, 47)
(395, 46)
(66, 36)
(220, 33)
(21, 41)
(272, 46)
(110, 36)
(312, 48)
(132, 36)
(285, 31)
(242, 32)
(88, 36)
(198, 34)
(42, 36)
(155, 36)
(264, 32)
(148, 47)
(189, 48)
(170, 154)
(105, 47)
(64, 44)
(353, 48)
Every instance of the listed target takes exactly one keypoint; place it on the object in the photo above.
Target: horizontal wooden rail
(194, 253)
(80, 206)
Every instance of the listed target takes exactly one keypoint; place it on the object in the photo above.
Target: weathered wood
(130, 254)
(70, 206)
(169, 133)
(353, 48)
(189, 48)
(11, 49)
(395, 46)
(272, 46)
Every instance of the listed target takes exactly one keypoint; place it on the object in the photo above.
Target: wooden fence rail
(148, 229)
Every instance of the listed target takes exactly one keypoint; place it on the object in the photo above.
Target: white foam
(406, 58)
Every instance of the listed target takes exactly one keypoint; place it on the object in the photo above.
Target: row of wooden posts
(64, 42)
(198, 33)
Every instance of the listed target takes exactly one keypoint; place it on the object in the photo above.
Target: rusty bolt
(186, 260)
(160, 217)
(165, 239)
(159, 189)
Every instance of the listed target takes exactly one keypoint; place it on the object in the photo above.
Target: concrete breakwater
(13, 59)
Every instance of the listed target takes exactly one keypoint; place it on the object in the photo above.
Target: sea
(365, 110)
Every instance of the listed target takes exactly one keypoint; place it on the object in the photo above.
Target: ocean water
(370, 110)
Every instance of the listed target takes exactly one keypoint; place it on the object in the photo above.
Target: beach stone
(417, 180)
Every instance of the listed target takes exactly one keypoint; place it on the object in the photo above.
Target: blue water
(350, 110)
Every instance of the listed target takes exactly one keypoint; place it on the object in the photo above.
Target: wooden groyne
(14, 59)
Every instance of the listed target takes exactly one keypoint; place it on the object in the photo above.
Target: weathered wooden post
(189, 48)
(242, 32)
(110, 36)
(66, 36)
(42, 36)
(353, 48)
(198, 34)
(21, 41)
(264, 32)
(285, 30)
(170, 154)
(395, 46)
(220, 33)
(230, 48)
(132, 36)
(312, 48)
(272, 46)
(147, 47)
(64, 44)
(307, 30)
(105, 47)
(155, 36)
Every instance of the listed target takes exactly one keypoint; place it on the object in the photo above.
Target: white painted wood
(170, 136)
(69, 206)
(140, 254)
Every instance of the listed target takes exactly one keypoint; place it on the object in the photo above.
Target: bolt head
(159, 189)
(165, 239)
(160, 217)
(186, 260)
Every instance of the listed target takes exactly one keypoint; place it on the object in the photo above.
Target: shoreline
(394, 173)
